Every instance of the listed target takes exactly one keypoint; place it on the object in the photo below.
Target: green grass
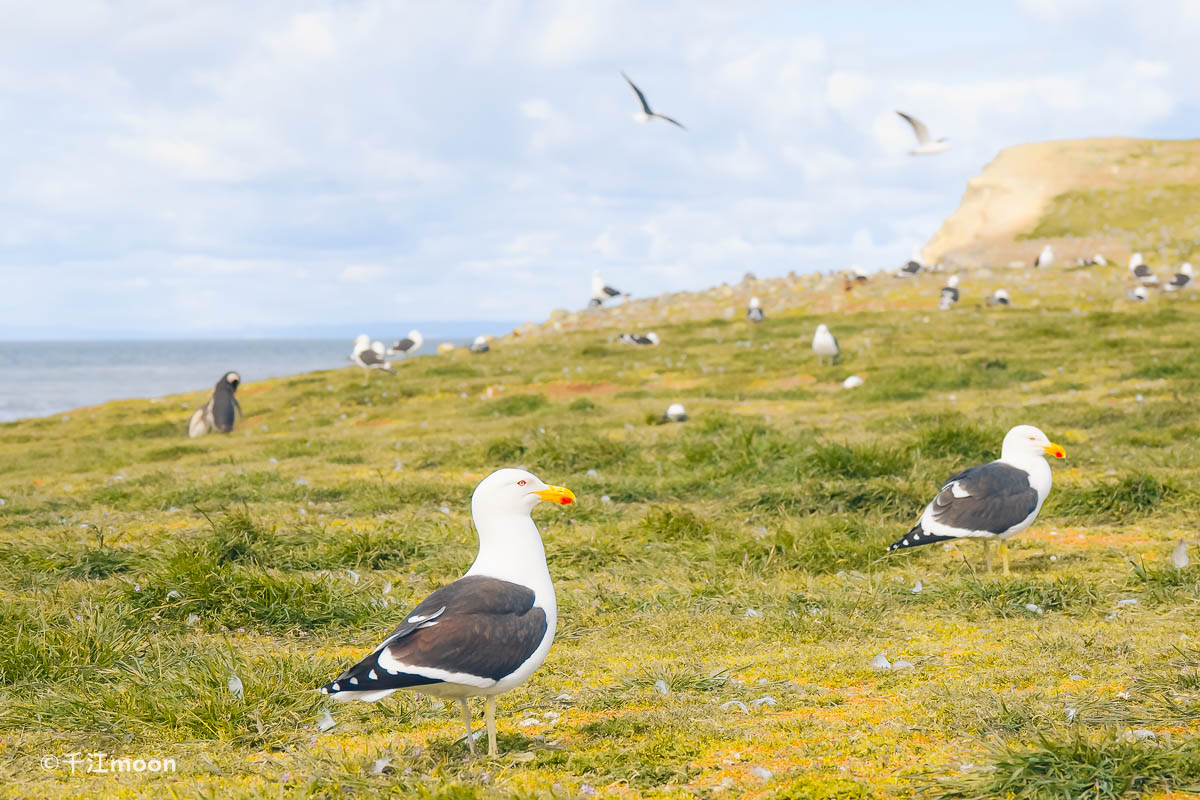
(731, 559)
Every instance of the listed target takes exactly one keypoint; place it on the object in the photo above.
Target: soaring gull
(926, 144)
(219, 413)
(488, 631)
(646, 114)
(997, 500)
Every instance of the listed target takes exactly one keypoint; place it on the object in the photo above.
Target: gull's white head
(1135, 260)
(361, 342)
(1186, 269)
(754, 303)
(653, 337)
(1025, 441)
(675, 411)
(822, 329)
(416, 336)
(952, 282)
(514, 491)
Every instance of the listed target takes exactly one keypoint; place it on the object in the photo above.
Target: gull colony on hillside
(949, 293)
(1181, 279)
(602, 291)
(370, 355)
(994, 501)
(488, 631)
(824, 345)
(755, 313)
(926, 144)
(221, 409)
(645, 115)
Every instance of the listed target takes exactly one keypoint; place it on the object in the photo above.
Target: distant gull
(370, 355)
(675, 413)
(638, 338)
(999, 298)
(480, 345)
(1045, 258)
(1138, 295)
(997, 500)
(949, 293)
(645, 115)
(824, 345)
(602, 291)
(1182, 279)
(755, 313)
(219, 413)
(1139, 270)
(853, 382)
(1179, 556)
(1095, 261)
(858, 276)
(487, 632)
(926, 145)
(407, 346)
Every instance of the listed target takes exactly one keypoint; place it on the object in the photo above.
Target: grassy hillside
(722, 583)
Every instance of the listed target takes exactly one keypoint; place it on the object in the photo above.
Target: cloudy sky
(174, 168)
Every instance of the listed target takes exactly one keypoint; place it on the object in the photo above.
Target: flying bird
(645, 115)
(488, 631)
(370, 355)
(755, 313)
(824, 345)
(1139, 270)
(601, 291)
(1182, 279)
(638, 338)
(1045, 258)
(997, 500)
(407, 346)
(219, 413)
(949, 293)
(926, 144)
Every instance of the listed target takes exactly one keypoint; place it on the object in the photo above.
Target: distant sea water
(40, 378)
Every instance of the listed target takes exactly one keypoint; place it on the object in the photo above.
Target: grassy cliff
(736, 557)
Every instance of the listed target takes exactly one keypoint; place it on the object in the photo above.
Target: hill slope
(1084, 196)
(722, 583)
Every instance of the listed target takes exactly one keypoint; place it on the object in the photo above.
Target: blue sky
(177, 168)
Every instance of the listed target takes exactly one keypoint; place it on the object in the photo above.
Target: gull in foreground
(994, 501)
(488, 631)
(926, 144)
(645, 115)
(824, 345)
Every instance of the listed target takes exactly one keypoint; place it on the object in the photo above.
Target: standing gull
(1045, 258)
(602, 291)
(824, 345)
(1182, 279)
(949, 293)
(370, 355)
(488, 631)
(1139, 270)
(997, 500)
(638, 338)
(999, 298)
(926, 145)
(755, 313)
(407, 346)
(219, 413)
(645, 115)
(481, 344)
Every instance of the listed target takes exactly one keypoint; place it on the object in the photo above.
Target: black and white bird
(999, 298)
(858, 276)
(824, 345)
(1182, 279)
(645, 115)
(638, 338)
(675, 413)
(926, 144)
(221, 410)
(602, 291)
(407, 346)
(755, 312)
(910, 269)
(995, 501)
(1095, 261)
(1139, 270)
(482, 344)
(1138, 295)
(1045, 258)
(488, 631)
(370, 355)
(949, 293)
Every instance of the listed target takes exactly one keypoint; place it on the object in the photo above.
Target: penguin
(221, 410)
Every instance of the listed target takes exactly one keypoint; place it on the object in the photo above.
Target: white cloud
(362, 273)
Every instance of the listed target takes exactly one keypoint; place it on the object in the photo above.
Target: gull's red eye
(521, 482)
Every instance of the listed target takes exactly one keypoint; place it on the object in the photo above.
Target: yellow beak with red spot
(557, 494)
(1055, 450)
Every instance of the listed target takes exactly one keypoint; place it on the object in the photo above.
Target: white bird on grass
(824, 345)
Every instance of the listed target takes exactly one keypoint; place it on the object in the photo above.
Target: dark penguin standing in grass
(220, 412)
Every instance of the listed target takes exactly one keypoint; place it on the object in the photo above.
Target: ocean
(40, 378)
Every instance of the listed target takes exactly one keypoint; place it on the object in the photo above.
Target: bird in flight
(926, 144)
(646, 114)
